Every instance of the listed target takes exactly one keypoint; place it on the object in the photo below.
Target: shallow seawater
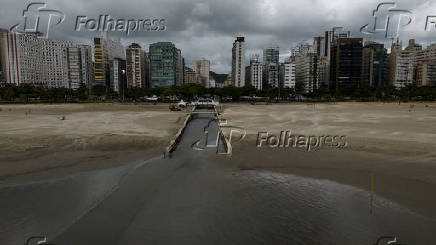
(187, 199)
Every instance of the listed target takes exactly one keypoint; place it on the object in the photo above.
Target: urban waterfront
(218, 122)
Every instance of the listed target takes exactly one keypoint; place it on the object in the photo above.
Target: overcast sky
(207, 29)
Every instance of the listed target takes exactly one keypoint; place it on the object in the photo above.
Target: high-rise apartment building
(305, 71)
(30, 58)
(400, 66)
(346, 62)
(101, 62)
(290, 74)
(2, 72)
(271, 74)
(105, 50)
(80, 67)
(191, 76)
(320, 50)
(425, 66)
(202, 68)
(164, 64)
(271, 64)
(256, 73)
(331, 36)
(413, 46)
(322, 47)
(339, 32)
(135, 66)
(117, 75)
(323, 72)
(302, 67)
(4, 56)
(238, 62)
(319, 46)
(301, 49)
(55, 68)
(271, 54)
(374, 64)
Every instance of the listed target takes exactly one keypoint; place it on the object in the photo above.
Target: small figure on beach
(411, 108)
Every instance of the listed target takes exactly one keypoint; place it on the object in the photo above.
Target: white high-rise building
(135, 66)
(400, 66)
(34, 59)
(238, 62)
(302, 49)
(290, 75)
(54, 63)
(80, 67)
(305, 72)
(425, 66)
(256, 73)
(202, 68)
(9, 66)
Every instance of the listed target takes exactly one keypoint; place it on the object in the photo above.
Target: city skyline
(209, 28)
(325, 63)
(217, 122)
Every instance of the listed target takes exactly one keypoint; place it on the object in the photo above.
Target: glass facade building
(163, 64)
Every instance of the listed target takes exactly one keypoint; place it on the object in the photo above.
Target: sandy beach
(397, 142)
(40, 141)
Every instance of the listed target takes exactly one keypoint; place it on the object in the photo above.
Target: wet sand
(196, 198)
(394, 141)
(35, 141)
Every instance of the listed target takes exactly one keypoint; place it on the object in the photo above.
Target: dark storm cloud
(207, 28)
